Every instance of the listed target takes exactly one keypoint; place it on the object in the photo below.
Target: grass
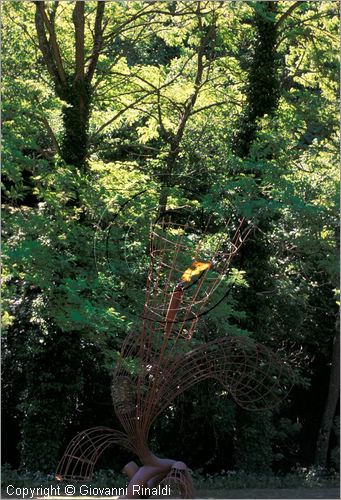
(220, 485)
(303, 477)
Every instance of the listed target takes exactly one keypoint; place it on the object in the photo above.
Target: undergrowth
(303, 477)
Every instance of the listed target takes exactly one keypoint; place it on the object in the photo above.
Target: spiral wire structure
(160, 361)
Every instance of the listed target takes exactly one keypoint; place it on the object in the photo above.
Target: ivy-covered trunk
(263, 83)
(76, 112)
(262, 92)
(262, 99)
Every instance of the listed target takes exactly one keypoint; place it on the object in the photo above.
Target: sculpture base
(169, 479)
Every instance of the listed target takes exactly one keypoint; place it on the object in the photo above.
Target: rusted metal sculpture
(159, 361)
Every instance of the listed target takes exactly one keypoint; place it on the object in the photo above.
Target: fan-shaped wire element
(159, 361)
(83, 451)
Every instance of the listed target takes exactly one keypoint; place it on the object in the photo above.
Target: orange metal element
(173, 308)
(195, 269)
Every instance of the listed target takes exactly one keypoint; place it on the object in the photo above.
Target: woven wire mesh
(158, 361)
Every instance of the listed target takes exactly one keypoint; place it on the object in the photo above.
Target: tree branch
(45, 47)
(219, 103)
(54, 51)
(53, 12)
(197, 86)
(120, 28)
(288, 12)
(119, 113)
(23, 26)
(98, 41)
(49, 130)
(78, 21)
(42, 119)
(174, 140)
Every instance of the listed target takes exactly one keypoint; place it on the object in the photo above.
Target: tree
(322, 445)
(73, 88)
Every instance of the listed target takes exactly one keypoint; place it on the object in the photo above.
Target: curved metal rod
(83, 451)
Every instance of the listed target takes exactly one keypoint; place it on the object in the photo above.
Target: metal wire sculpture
(159, 361)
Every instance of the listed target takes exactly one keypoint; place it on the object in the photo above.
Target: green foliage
(253, 446)
(303, 477)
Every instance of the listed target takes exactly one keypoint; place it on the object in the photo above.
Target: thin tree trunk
(175, 140)
(322, 445)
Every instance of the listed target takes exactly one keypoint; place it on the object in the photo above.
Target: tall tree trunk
(77, 93)
(262, 93)
(262, 98)
(322, 445)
